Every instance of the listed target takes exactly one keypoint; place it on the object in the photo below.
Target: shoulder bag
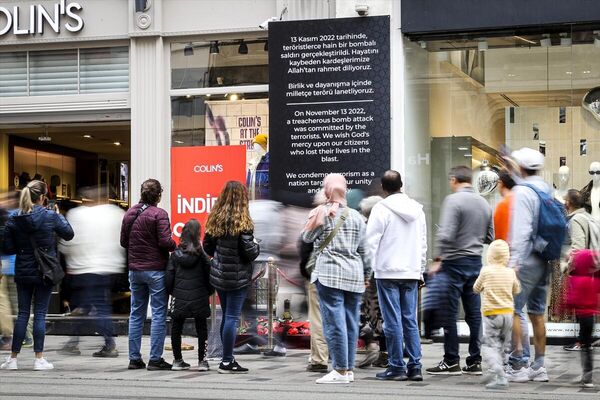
(312, 261)
(137, 214)
(48, 265)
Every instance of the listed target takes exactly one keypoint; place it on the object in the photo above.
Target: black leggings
(586, 327)
(201, 331)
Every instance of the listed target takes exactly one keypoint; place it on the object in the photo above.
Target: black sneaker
(246, 349)
(273, 353)
(317, 368)
(106, 352)
(392, 374)
(445, 369)
(232, 368)
(473, 369)
(180, 365)
(70, 350)
(415, 375)
(160, 365)
(136, 364)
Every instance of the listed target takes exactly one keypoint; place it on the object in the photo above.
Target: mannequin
(591, 193)
(563, 184)
(258, 168)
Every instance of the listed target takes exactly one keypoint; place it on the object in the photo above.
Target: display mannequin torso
(595, 193)
(563, 184)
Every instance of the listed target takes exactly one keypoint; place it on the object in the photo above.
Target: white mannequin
(595, 195)
(563, 184)
(259, 152)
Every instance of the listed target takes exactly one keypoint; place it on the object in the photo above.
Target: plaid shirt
(344, 264)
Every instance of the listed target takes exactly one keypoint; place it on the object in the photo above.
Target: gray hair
(367, 204)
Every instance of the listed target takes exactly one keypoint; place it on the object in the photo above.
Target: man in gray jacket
(466, 224)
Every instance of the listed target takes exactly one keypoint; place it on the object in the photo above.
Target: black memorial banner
(329, 102)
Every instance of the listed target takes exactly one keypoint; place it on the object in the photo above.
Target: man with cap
(532, 270)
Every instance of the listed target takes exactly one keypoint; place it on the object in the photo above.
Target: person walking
(33, 225)
(188, 275)
(532, 269)
(93, 258)
(465, 226)
(497, 284)
(146, 236)
(341, 271)
(229, 239)
(397, 239)
(502, 211)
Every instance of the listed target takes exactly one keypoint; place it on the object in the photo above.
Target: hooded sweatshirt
(397, 238)
(583, 285)
(497, 283)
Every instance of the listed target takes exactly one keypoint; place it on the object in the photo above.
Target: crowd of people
(364, 269)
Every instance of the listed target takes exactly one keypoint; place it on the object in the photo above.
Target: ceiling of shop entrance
(92, 137)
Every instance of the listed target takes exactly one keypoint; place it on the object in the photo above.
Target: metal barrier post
(270, 298)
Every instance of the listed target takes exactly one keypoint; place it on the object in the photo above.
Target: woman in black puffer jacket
(187, 282)
(229, 239)
(32, 223)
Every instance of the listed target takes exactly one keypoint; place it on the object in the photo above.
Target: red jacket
(150, 240)
(583, 290)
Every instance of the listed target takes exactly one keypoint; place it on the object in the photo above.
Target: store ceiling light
(234, 97)
(569, 73)
(482, 46)
(587, 71)
(243, 49)
(88, 136)
(117, 143)
(214, 47)
(179, 141)
(463, 148)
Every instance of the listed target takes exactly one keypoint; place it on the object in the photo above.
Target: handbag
(48, 265)
(312, 261)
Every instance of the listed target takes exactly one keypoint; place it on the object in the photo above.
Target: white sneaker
(350, 375)
(520, 375)
(539, 375)
(10, 363)
(41, 364)
(334, 377)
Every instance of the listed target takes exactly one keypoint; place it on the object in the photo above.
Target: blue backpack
(552, 226)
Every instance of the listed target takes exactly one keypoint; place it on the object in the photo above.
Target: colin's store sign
(60, 15)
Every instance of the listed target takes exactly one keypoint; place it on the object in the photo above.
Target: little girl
(583, 289)
(188, 284)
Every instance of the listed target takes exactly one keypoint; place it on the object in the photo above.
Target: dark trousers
(231, 305)
(459, 286)
(586, 327)
(40, 294)
(201, 332)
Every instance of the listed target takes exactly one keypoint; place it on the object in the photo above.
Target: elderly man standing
(397, 239)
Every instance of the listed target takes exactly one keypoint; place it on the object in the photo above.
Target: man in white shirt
(397, 240)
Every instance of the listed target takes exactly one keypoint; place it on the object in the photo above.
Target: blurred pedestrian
(146, 236)
(229, 238)
(341, 271)
(188, 283)
(583, 297)
(397, 238)
(532, 269)
(32, 226)
(94, 258)
(466, 224)
(502, 211)
(497, 284)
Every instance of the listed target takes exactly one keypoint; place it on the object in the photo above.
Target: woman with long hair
(32, 224)
(230, 240)
(341, 272)
(188, 284)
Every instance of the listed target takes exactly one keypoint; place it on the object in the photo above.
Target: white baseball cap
(529, 158)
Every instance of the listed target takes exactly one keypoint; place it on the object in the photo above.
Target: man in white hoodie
(397, 240)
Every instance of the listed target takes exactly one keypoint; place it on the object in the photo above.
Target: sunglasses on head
(594, 172)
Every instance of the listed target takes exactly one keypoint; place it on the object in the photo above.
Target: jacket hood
(584, 262)
(185, 260)
(498, 253)
(32, 221)
(403, 206)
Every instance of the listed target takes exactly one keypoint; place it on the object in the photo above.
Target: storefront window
(13, 74)
(219, 63)
(470, 99)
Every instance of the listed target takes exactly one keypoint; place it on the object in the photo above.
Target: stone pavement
(84, 377)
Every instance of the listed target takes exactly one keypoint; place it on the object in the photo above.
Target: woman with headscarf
(341, 272)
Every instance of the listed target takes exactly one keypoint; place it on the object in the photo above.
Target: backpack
(552, 226)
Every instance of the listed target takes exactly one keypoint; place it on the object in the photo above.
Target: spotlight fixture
(88, 136)
(565, 40)
(545, 41)
(243, 49)
(188, 50)
(214, 47)
(482, 46)
(266, 45)
(179, 141)
(463, 148)
(233, 97)
(117, 143)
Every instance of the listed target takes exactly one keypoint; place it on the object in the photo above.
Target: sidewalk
(84, 377)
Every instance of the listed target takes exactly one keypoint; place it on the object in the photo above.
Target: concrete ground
(84, 377)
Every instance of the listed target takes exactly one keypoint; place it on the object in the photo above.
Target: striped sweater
(497, 284)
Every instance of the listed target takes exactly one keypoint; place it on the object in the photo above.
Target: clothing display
(591, 192)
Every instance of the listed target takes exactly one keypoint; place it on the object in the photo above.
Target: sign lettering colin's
(63, 14)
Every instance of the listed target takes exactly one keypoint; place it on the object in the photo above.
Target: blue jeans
(459, 285)
(147, 286)
(231, 307)
(340, 311)
(40, 294)
(398, 303)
